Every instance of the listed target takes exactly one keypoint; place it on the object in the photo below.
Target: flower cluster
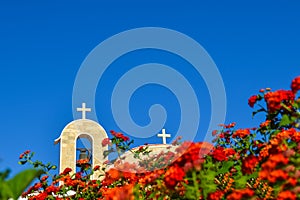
(119, 136)
(243, 163)
(79, 183)
(275, 100)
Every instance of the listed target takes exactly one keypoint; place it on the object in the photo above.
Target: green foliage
(14, 187)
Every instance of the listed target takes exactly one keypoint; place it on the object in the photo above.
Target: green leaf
(5, 192)
(285, 120)
(241, 181)
(225, 167)
(20, 182)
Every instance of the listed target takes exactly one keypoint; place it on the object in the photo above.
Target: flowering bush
(249, 163)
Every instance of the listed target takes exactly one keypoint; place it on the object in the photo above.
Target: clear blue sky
(254, 45)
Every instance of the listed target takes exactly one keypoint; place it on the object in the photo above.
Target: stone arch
(68, 141)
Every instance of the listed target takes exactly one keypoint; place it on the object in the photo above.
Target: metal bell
(84, 154)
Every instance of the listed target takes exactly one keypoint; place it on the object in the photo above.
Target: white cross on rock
(164, 136)
(84, 109)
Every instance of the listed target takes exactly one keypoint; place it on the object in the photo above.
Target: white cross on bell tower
(164, 136)
(84, 109)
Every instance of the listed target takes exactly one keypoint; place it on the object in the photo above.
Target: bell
(83, 154)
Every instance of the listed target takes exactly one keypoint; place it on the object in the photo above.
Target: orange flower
(151, 177)
(279, 159)
(274, 99)
(119, 193)
(286, 195)
(292, 181)
(265, 124)
(275, 160)
(241, 194)
(173, 176)
(285, 134)
(37, 186)
(113, 174)
(82, 161)
(231, 125)
(241, 133)
(295, 86)
(296, 136)
(277, 175)
(217, 195)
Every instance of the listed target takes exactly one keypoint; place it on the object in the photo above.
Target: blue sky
(43, 44)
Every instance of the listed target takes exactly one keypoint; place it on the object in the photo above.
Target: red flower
(231, 125)
(252, 100)
(187, 166)
(66, 171)
(40, 196)
(217, 195)
(222, 135)
(295, 86)
(97, 167)
(24, 153)
(249, 163)
(214, 133)
(219, 154)
(119, 136)
(44, 178)
(229, 152)
(37, 186)
(106, 162)
(51, 189)
(105, 141)
(78, 175)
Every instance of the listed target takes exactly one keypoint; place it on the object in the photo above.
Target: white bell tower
(81, 128)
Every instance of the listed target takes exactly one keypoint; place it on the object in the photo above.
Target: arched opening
(84, 151)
